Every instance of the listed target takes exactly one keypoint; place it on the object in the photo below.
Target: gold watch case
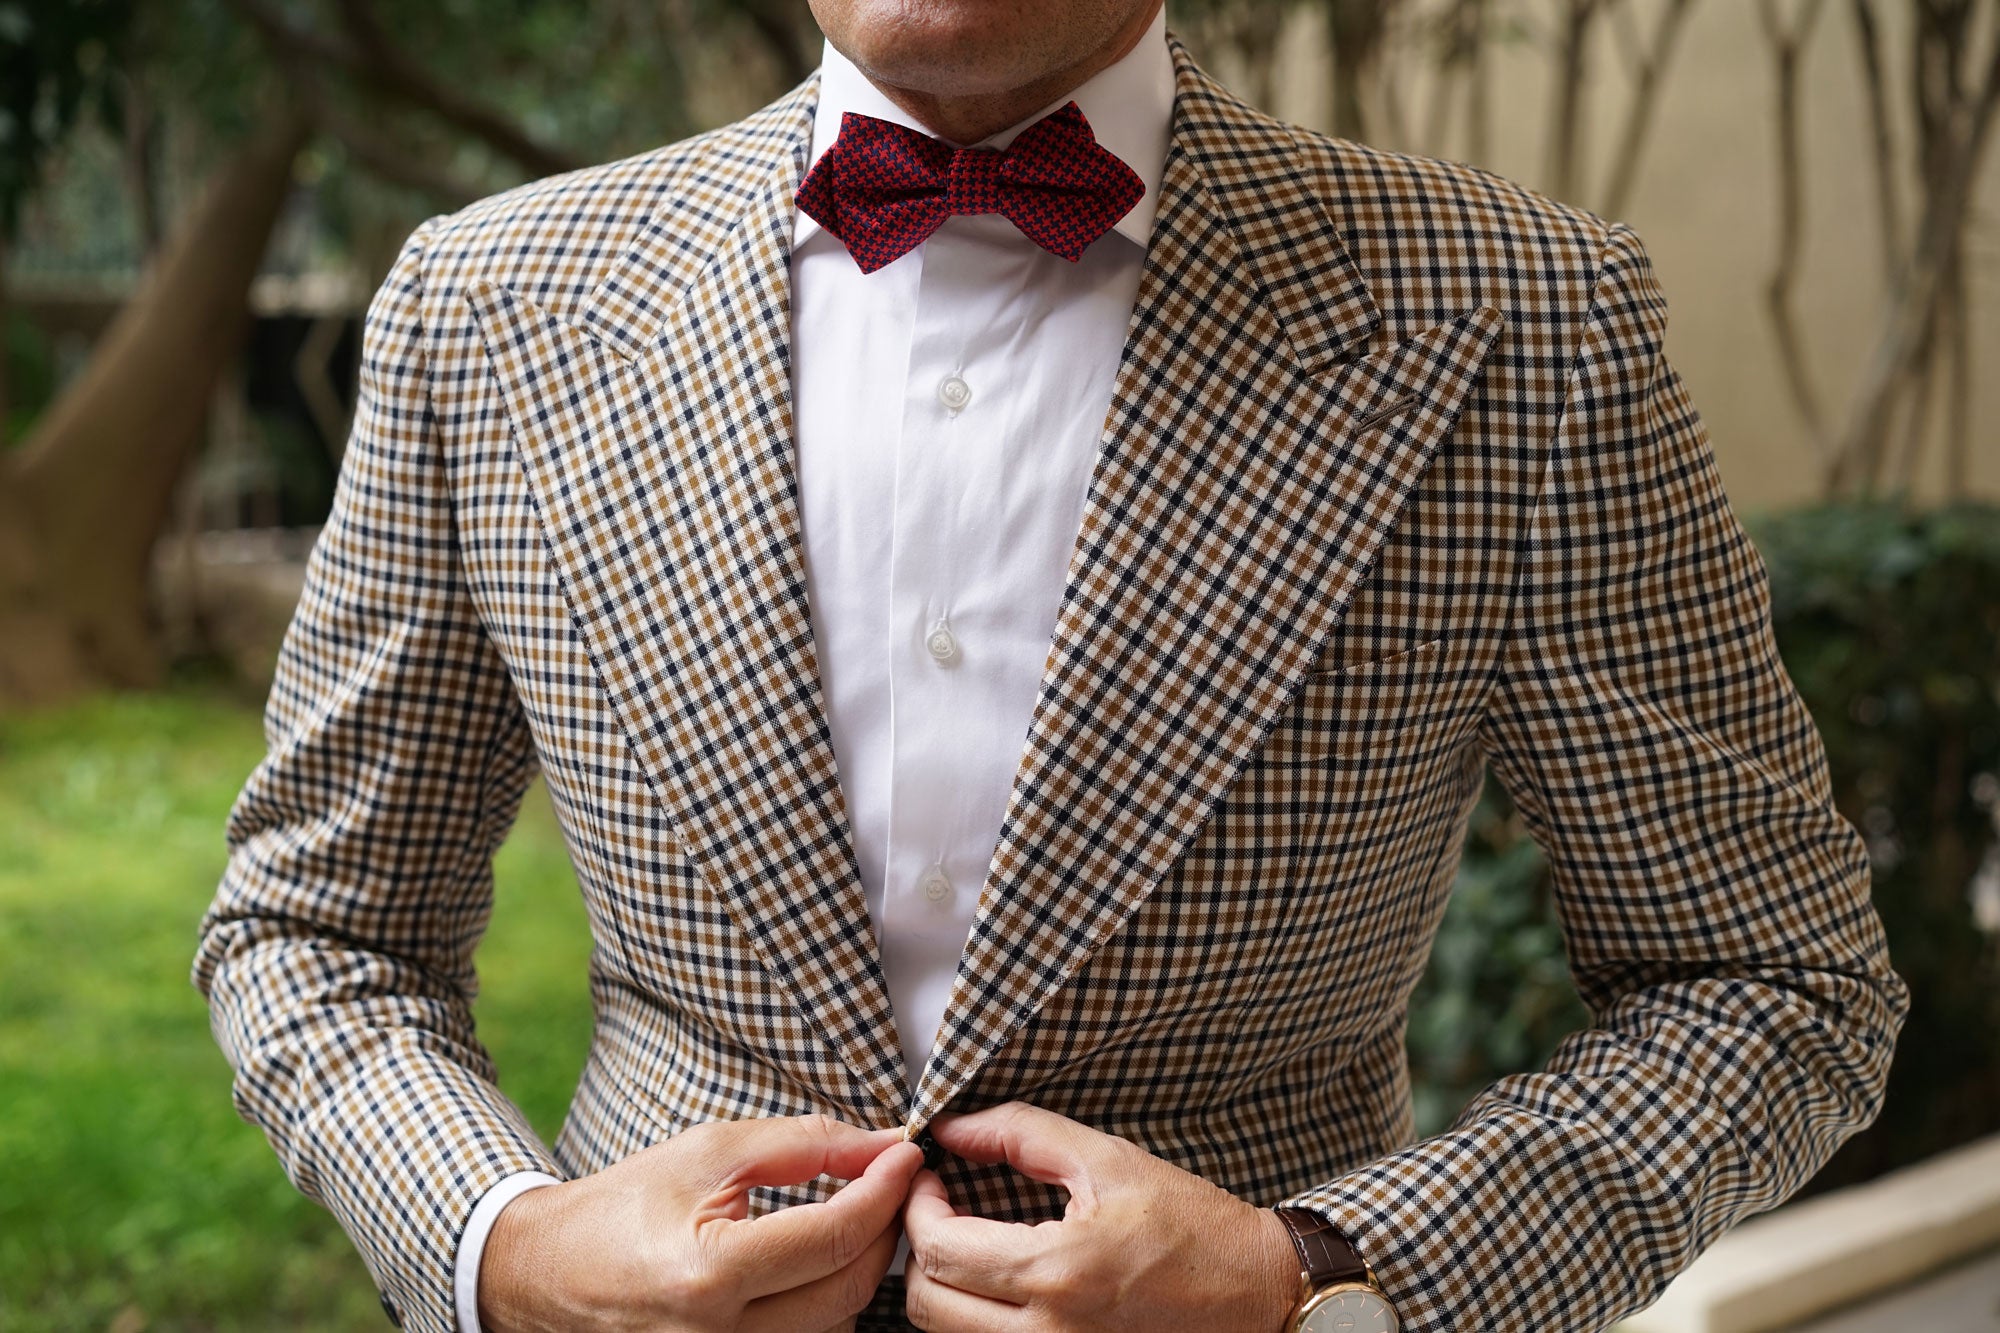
(1346, 1307)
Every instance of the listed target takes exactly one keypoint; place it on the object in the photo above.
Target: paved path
(1964, 1299)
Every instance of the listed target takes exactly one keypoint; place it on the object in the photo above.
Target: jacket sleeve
(1714, 905)
(336, 956)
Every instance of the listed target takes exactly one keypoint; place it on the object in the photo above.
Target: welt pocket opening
(1425, 655)
(1385, 413)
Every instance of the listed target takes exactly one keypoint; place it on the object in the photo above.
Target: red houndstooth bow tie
(883, 188)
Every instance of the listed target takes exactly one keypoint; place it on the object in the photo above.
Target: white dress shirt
(947, 408)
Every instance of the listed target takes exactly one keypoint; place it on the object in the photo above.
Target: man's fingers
(785, 1150)
(830, 1302)
(793, 1247)
(927, 1200)
(927, 1211)
(937, 1308)
(973, 1254)
(1040, 1144)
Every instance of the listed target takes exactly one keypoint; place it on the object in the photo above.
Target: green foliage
(1497, 996)
(588, 82)
(57, 61)
(129, 1184)
(199, 63)
(1889, 624)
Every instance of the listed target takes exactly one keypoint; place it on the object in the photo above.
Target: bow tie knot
(973, 180)
(883, 188)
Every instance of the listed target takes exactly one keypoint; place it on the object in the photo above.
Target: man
(766, 490)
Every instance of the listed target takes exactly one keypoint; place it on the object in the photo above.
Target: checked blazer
(1396, 484)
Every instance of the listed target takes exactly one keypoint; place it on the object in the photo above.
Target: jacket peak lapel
(1240, 493)
(655, 429)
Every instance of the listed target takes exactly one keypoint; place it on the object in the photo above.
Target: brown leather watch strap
(1324, 1253)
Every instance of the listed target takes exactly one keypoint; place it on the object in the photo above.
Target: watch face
(1356, 1310)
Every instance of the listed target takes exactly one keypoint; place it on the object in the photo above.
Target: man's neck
(968, 119)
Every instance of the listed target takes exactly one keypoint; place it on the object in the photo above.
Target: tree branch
(1566, 114)
(1868, 36)
(1958, 403)
(1479, 95)
(1460, 37)
(1354, 30)
(393, 71)
(378, 63)
(1652, 68)
(1898, 351)
(372, 150)
(388, 161)
(1786, 42)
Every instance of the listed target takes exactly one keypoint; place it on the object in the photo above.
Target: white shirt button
(954, 392)
(941, 643)
(936, 885)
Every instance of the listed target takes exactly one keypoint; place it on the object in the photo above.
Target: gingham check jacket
(1395, 484)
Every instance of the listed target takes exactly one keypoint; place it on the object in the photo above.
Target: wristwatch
(1337, 1291)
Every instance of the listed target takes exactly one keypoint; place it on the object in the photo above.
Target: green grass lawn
(131, 1197)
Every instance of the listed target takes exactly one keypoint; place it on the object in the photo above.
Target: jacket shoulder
(1434, 184)
(1432, 237)
(552, 239)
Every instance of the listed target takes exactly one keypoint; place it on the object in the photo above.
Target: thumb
(1039, 1144)
(927, 1202)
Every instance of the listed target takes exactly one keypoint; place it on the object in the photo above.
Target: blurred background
(197, 198)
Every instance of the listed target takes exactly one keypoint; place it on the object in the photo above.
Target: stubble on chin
(952, 49)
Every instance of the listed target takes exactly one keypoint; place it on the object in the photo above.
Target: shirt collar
(1129, 105)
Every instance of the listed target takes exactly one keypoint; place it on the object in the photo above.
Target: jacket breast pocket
(1353, 710)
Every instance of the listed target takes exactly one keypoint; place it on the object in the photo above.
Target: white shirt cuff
(465, 1276)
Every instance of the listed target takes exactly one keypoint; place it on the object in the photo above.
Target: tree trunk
(88, 493)
(6, 354)
(1355, 29)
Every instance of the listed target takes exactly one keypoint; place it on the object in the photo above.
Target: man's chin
(944, 68)
(965, 48)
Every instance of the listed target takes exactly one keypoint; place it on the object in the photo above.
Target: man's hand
(1142, 1244)
(663, 1240)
